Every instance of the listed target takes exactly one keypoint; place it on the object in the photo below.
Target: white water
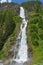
(22, 55)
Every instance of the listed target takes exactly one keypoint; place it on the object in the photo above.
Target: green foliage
(34, 13)
(10, 24)
(7, 26)
(32, 6)
(35, 31)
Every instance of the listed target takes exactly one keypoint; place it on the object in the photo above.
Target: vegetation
(35, 30)
(9, 28)
(32, 6)
(35, 38)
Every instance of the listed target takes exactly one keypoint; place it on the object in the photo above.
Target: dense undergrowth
(9, 28)
(34, 14)
(35, 31)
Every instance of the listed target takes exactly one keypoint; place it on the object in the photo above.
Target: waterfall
(22, 53)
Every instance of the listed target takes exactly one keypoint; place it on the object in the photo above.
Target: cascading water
(22, 54)
(21, 48)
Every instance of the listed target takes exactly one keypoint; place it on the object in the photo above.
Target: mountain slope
(9, 27)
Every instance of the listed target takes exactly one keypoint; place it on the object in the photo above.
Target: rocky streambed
(15, 63)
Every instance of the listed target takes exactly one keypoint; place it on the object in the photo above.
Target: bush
(7, 25)
(35, 43)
